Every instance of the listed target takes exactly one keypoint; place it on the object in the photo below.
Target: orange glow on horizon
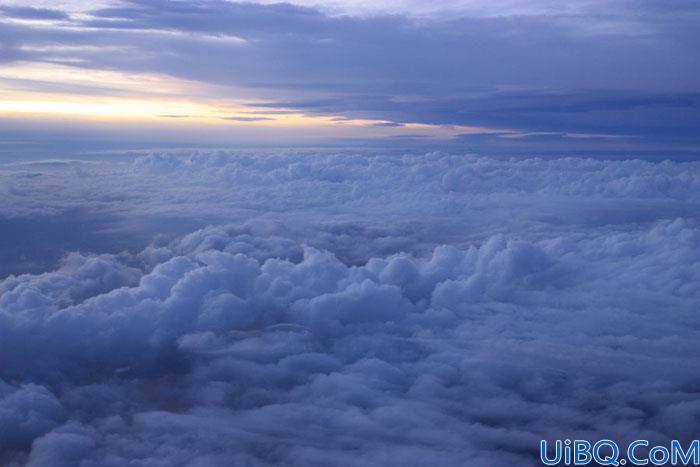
(61, 91)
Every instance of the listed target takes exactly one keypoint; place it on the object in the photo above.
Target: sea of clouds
(349, 310)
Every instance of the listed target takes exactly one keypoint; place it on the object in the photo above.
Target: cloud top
(244, 344)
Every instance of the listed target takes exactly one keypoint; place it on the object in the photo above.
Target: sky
(509, 77)
(346, 233)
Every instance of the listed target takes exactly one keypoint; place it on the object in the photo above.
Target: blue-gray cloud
(358, 310)
(631, 75)
(26, 12)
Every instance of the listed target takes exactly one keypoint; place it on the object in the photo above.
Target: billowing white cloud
(325, 325)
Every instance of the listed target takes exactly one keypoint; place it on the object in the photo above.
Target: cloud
(248, 119)
(27, 12)
(431, 309)
(27, 412)
(622, 69)
(355, 205)
(392, 358)
(389, 124)
(633, 114)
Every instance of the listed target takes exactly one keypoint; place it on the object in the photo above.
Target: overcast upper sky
(512, 76)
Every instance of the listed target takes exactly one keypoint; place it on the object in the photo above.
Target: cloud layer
(354, 205)
(621, 75)
(292, 336)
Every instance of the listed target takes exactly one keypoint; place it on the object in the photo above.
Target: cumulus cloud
(356, 205)
(293, 335)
